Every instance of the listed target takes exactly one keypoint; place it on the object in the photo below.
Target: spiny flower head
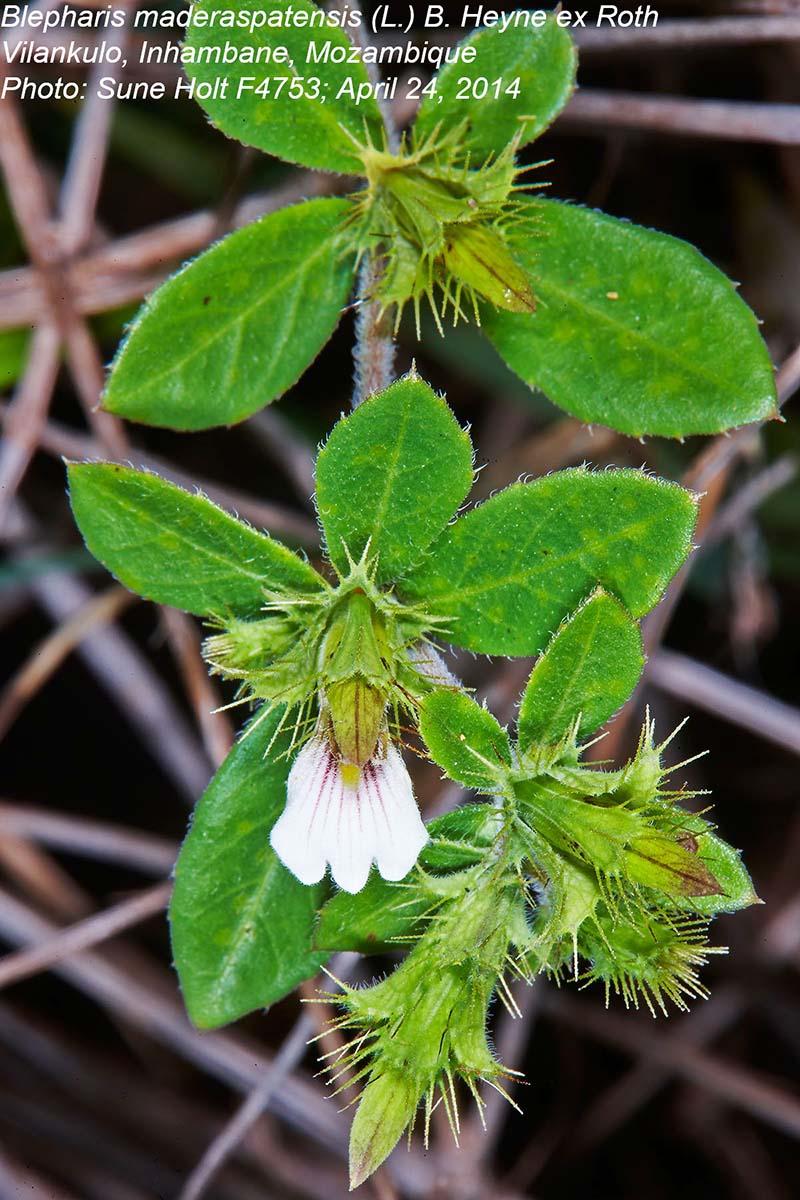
(652, 956)
(341, 665)
(346, 647)
(621, 876)
(439, 223)
(423, 1029)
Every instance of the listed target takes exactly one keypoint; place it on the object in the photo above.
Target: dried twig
(272, 430)
(732, 1084)
(748, 498)
(81, 184)
(128, 268)
(86, 933)
(17, 1180)
(58, 440)
(290, 1054)
(234, 1061)
(287, 1058)
(215, 727)
(87, 838)
(680, 35)
(143, 697)
(49, 654)
(727, 120)
(27, 414)
(777, 943)
(41, 878)
(742, 705)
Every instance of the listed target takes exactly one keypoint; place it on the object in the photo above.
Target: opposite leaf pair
(631, 329)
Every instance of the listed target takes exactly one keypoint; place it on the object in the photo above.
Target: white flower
(348, 816)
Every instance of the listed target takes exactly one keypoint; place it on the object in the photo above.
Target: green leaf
(616, 841)
(460, 838)
(382, 914)
(633, 329)
(507, 573)
(542, 60)
(598, 835)
(392, 474)
(14, 346)
(317, 126)
(237, 326)
(589, 670)
(241, 923)
(464, 739)
(176, 548)
(373, 920)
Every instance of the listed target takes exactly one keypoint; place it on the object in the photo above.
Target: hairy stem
(374, 350)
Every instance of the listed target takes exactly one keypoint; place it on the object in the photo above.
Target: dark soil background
(104, 1092)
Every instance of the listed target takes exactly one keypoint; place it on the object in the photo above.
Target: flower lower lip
(348, 817)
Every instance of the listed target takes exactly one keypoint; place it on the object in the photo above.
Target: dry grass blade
(81, 184)
(287, 1058)
(707, 475)
(133, 683)
(41, 878)
(118, 664)
(778, 943)
(89, 839)
(750, 497)
(27, 414)
(59, 441)
(127, 269)
(16, 1181)
(48, 656)
(233, 1061)
(695, 683)
(678, 35)
(215, 727)
(86, 933)
(727, 1081)
(274, 432)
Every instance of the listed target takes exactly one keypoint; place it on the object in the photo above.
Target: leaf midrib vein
(199, 347)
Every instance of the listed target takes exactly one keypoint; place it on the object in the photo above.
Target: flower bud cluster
(586, 866)
(345, 650)
(423, 1029)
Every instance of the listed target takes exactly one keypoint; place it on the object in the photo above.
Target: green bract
(374, 475)
(572, 865)
(543, 61)
(616, 324)
(176, 548)
(505, 574)
(586, 673)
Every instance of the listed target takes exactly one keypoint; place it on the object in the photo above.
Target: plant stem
(374, 350)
